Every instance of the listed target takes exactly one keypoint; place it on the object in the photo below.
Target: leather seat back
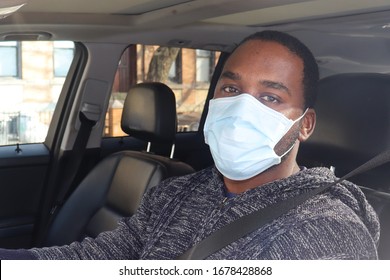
(114, 188)
(353, 126)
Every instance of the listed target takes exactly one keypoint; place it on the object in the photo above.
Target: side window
(186, 71)
(31, 78)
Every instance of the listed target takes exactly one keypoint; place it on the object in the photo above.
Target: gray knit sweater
(338, 224)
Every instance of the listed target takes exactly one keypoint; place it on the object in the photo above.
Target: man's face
(273, 75)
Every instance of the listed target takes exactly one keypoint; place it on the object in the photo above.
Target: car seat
(353, 125)
(114, 188)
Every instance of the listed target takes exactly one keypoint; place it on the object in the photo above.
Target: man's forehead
(268, 53)
(256, 47)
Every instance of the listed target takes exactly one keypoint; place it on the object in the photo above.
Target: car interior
(141, 73)
(114, 188)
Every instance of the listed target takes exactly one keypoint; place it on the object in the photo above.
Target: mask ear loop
(301, 117)
(292, 146)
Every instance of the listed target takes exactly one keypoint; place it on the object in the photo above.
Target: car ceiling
(344, 35)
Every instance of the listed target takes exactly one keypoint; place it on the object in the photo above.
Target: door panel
(22, 177)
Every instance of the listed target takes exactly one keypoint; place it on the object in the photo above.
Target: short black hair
(310, 67)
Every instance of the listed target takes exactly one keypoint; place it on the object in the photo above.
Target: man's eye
(269, 99)
(229, 89)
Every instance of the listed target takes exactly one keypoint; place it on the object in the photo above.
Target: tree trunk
(161, 63)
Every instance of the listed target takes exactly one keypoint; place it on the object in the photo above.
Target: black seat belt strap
(249, 223)
(74, 160)
(88, 116)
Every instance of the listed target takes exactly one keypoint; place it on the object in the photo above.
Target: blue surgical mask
(242, 134)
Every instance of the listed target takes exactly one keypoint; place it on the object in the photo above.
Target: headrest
(149, 113)
(353, 118)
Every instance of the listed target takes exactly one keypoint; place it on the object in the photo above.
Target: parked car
(59, 58)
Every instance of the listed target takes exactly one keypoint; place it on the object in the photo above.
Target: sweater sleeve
(325, 238)
(125, 242)
(20, 254)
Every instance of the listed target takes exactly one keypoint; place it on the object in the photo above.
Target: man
(261, 111)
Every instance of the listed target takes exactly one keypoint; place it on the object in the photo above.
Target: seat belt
(249, 223)
(89, 115)
(74, 160)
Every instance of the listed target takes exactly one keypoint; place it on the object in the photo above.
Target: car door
(35, 79)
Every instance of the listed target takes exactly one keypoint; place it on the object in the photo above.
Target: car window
(31, 78)
(186, 71)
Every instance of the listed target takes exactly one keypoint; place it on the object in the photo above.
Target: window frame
(191, 96)
(18, 59)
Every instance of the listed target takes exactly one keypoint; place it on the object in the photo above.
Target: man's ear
(308, 124)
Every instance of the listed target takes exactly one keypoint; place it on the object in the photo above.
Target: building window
(62, 57)
(175, 72)
(204, 65)
(9, 59)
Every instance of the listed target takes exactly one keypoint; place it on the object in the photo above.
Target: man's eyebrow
(275, 85)
(266, 83)
(231, 75)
